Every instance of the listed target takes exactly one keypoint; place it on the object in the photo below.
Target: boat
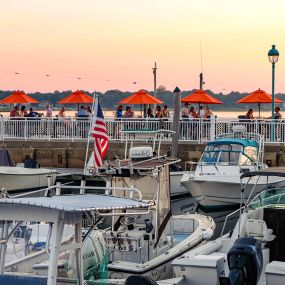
(253, 253)
(117, 227)
(140, 162)
(215, 184)
(19, 178)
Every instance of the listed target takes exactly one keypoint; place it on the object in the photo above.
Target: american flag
(100, 135)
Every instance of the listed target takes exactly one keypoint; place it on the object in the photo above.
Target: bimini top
(272, 171)
(242, 142)
(78, 203)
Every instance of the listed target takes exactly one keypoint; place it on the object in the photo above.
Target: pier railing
(74, 129)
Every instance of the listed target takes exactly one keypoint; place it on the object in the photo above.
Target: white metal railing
(198, 130)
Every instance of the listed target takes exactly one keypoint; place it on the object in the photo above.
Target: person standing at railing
(15, 128)
(279, 128)
(33, 114)
(165, 112)
(15, 112)
(185, 111)
(208, 113)
(129, 113)
(48, 111)
(89, 111)
(149, 113)
(193, 123)
(201, 113)
(158, 113)
(117, 126)
(119, 112)
(249, 114)
(23, 112)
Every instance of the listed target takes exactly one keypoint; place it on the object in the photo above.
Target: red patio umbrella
(258, 97)
(18, 97)
(77, 97)
(200, 97)
(140, 98)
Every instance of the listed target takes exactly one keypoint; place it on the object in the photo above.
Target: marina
(142, 142)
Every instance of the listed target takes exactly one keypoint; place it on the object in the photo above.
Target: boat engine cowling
(245, 262)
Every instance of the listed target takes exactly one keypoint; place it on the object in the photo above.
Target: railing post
(25, 128)
(212, 128)
(2, 129)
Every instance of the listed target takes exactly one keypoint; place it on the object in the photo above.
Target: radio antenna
(201, 63)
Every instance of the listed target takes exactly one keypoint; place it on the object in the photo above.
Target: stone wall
(72, 154)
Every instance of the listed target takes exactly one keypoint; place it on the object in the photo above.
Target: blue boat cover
(243, 142)
(22, 280)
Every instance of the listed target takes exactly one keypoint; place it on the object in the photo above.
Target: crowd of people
(20, 111)
(277, 114)
(188, 112)
(129, 113)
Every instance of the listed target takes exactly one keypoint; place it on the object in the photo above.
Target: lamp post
(273, 56)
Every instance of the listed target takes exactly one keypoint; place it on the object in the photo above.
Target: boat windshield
(269, 198)
(229, 154)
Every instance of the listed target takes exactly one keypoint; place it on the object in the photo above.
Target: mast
(154, 83)
(154, 78)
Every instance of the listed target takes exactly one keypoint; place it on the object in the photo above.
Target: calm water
(219, 114)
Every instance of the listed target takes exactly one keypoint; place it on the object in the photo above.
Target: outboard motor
(245, 263)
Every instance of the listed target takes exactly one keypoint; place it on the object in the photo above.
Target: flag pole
(94, 111)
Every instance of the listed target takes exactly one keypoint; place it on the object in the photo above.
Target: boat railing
(197, 130)
(57, 191)
(230, 215)
(266, 198)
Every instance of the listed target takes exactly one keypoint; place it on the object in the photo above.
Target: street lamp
(273, 56)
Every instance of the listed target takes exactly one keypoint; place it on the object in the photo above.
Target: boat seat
(258, 230)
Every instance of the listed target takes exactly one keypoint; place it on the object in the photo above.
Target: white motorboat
(253, 253)
(20, 178)
(17, 179)
(215, 183)
(138, 235)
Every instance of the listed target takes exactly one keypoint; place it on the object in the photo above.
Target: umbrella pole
(259, 109)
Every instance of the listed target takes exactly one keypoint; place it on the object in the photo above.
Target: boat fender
(207, 234)
(141, 280)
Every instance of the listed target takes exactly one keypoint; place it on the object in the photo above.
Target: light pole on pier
(273, 56)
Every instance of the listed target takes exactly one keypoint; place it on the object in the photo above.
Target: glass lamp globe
(273, 55)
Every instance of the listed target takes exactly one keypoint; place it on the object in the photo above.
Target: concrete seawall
(72, 154)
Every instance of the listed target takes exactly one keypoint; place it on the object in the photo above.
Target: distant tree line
(110, 98)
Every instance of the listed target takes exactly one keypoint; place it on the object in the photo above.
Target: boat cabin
(231, 151)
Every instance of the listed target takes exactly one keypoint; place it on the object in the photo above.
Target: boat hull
(176, 188)
(17, 179)
(223, 193)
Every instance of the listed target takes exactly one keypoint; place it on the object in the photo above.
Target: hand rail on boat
(79, 188)
(254, 200)
(131, 190)
(230, 214)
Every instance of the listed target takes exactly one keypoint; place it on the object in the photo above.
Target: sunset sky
(110, 44)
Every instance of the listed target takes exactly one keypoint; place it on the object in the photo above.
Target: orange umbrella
(200, 97)
(258, 97)
(140, 98)
(77, 97)
(18, 97)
